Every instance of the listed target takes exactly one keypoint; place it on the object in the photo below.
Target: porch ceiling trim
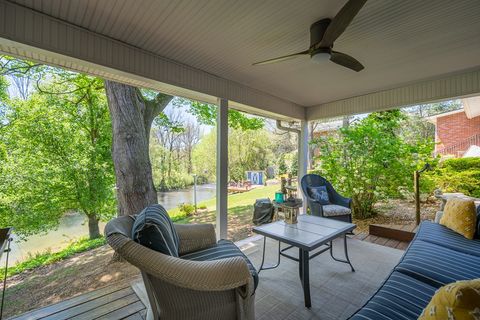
(30, 34)
(447, 87)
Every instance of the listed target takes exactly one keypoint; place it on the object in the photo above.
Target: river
(72, 226)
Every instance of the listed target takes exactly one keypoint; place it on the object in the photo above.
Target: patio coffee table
(307, 235)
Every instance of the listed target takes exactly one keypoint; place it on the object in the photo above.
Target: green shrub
(186, 208)
(202, 206)
(459, 175)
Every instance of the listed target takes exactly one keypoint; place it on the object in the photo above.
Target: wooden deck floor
(402, 245)
(113, 302)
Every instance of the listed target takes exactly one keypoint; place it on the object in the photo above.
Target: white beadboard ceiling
(399, 42)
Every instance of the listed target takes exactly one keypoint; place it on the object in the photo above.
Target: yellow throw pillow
(460, 216)
(459, 300)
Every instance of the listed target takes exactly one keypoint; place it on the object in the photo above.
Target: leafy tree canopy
(58, 157)
(207, 114)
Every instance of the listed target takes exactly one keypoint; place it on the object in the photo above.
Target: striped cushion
(223, 249)
(437, 265)
(443, 236)
(400, 297)
(154, 229)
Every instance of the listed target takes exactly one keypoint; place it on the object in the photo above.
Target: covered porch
(336, 291)
(413, 52)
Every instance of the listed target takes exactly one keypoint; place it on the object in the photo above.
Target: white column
(302, 158)
(222, 168)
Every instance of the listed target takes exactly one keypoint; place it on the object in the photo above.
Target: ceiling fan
(323, 34)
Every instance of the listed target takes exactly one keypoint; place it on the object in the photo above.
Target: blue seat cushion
(154, 229)
(400, 297)
(437, 265)
(223, 249)
(445, 237)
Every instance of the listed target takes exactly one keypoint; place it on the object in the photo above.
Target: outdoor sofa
(209, 279)
(436, 256)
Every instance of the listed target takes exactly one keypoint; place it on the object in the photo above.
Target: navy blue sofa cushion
(154, 229)
(224, 249)
(437, 265)
(445, 237)
(436, 256)
(400, 297)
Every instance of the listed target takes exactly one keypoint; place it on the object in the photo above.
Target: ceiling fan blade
(341, 21)
(346, 61)
(283, 58)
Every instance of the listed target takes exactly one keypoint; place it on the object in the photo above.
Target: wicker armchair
(339, 207)
(183, 289)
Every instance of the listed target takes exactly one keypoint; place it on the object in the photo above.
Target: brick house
(457, 131)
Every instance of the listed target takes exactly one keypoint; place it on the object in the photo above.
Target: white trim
(302, 159)
(222, 169)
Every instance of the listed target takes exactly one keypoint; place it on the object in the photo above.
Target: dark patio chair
(338, 207)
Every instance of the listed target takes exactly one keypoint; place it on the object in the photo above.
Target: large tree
(132, 113)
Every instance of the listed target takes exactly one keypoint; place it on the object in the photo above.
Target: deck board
(113, 302)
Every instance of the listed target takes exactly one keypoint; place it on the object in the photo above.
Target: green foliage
(459, 175)
(247, 150)
(282, 165)
(202, 206)
(186, 209)
(46, 258)
(58, 155)
(370, 160)
(207, 114)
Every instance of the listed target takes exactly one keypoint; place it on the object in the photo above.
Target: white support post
(302, 159)
(222, 168)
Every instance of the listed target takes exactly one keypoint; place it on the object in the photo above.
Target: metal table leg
(346, 252)
(304, 271)
(263, 257)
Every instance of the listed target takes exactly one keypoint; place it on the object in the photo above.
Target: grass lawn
(240, 211)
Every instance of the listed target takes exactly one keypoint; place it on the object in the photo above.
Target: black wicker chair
(339, 207)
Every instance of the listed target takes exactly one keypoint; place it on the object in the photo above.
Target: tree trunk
(132, 118)
(93, 229)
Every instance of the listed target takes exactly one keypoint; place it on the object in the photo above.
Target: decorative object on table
(287, 210)
(457, 300)
(460, 215)
(5, 240)
(279, 197)
(338, 207)
(262, 211)
(416, 188)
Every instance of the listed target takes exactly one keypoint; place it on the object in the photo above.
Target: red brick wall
(455, 128)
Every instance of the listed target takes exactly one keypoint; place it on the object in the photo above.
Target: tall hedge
(459, 175)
